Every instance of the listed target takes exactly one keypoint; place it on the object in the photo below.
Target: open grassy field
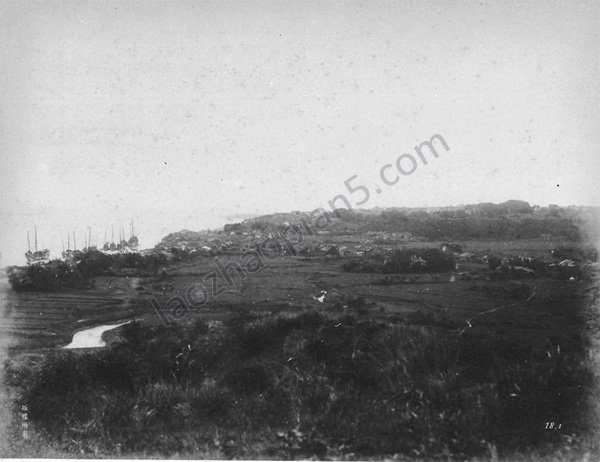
(469, 352)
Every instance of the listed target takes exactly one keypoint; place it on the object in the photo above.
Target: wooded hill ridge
(513, 219)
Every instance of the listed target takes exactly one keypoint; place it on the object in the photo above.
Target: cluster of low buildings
(521, 266)
(235, 239)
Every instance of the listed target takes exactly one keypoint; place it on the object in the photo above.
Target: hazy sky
(182, 114)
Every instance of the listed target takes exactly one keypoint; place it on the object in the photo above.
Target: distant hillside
(513, 219)
(193, 239)
(509, 220)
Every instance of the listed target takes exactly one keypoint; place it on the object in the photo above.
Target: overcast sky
(188, 114)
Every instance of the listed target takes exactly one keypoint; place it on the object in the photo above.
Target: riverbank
(92, 337)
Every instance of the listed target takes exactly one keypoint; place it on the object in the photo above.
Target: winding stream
(92, 338)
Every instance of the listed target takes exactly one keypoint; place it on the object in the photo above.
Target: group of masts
(87, 241)
(121, 246)
(36, 255)
(124, 245)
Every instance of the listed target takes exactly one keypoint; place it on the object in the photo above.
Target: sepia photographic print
(300, 230)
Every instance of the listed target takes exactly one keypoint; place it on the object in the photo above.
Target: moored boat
(37, 256)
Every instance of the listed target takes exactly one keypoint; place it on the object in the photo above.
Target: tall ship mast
(88, 242)
(123, 244)
(133, 242)
(37, 256)
(112, 247)
(69, 253)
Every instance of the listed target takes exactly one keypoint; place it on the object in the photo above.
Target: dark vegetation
(50, 277)
(310, 385)
(476, 227)
(59, 275)
(509, 220)
(403, 261)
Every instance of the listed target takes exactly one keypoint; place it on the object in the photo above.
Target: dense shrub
(311, 385)
(403, 261)
(60, 275)
(50, 277)
(94, 263)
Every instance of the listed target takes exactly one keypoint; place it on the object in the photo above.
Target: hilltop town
(555, 242)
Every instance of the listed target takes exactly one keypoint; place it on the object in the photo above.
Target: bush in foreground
(310, 385)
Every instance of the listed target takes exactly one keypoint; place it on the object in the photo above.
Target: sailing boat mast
(35, 229)
(74, 241)
(28, 244)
